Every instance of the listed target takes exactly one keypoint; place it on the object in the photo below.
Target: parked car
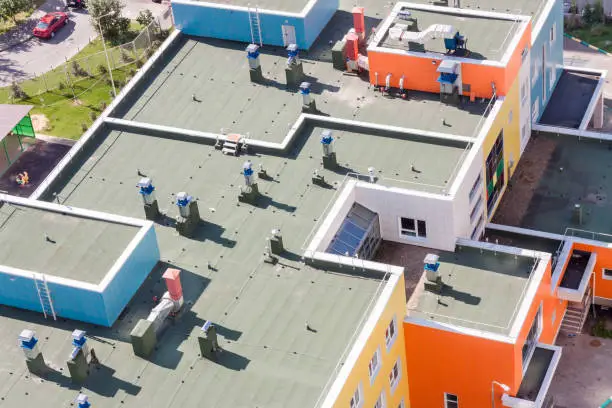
(49, 24)
(77, 4)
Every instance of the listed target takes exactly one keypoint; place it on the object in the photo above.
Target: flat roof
(555, 173)
(487, 37)
(293, 6)
(481, 288)
(532, 8)
(570, 99)
(525, 241)
(261, 309)
(60, 244)
(216, 72)
(407, 161)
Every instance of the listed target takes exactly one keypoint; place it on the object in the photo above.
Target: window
(476, 186)
(535, 110)
(495, 172)
(374, 365)
(380, 402)
(476, 209)
(409, 227)
(553, 33)
(532, 338)
(357, 398)
(510, 116)
(391, 333)
(524, 92)
(476, 231)
(394, 375)
(451, 401)
(606, 274)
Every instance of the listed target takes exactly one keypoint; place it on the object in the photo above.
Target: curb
(578, 40)
(8, 47)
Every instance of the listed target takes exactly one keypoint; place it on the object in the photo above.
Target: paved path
(36, 56)
(578, 55)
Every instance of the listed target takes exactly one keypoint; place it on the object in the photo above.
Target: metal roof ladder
(44, 296)
(255, 25)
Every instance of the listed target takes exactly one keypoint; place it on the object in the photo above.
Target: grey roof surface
(10, 115)
(487, 38)
(78, 248)
(524, 7)
(216, 72)
(413, 162)
(269, 358)
(524, 241)
(570, 99)
(481, 289)
(293, 6)
(557, 172)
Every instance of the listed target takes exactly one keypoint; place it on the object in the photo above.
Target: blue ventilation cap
(27, 339)
(305, 88)
(78, 338)
(326, 137)
(83, 401)
(207, 325)
(146, 186)
(182, 199)
(292, 50)
(252, 51)
(247, 168)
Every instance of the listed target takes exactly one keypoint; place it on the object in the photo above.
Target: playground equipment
(23, 179)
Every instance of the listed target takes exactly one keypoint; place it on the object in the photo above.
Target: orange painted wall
(420, 73)
(603, 287)
(514, 64)
(440, 361)
(552, 315)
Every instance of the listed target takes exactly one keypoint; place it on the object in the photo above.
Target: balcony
(537, 378)
(577, 275)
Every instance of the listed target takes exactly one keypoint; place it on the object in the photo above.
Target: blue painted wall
(131, 276)
(204, 21)
(69, 302)
(86, 305)
(554, 57)
(318, 17)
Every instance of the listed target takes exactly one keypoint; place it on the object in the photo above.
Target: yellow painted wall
(512, 133)
(396, 306)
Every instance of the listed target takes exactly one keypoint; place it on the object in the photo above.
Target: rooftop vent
(431, 266)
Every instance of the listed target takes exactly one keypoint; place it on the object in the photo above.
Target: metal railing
(592, 235)
(94, 66)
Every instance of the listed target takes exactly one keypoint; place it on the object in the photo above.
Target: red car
(49, 24)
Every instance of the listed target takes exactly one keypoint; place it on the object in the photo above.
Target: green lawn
(599, 35)
(67, 117)
(8, 24)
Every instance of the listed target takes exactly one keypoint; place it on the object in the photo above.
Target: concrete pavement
(34, 57)
(577, 55)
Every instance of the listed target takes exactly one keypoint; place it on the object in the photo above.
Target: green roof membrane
(481, 289)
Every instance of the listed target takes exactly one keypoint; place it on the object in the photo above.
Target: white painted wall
(462, 205)
(393, 203)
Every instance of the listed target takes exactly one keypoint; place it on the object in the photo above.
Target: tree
(108, 15)
(598, 14)
(10, 8)
(145, 17)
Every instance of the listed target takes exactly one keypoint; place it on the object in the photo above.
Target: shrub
(102, 69)
(17, 91)
(145, 17)
(139, 63)
(102, 106)
(84, 127)
(77, 70)
(61, 85)
(92, 116)
(126, 58)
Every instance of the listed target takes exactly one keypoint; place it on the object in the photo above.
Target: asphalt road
(36, 56)
(577, 55)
